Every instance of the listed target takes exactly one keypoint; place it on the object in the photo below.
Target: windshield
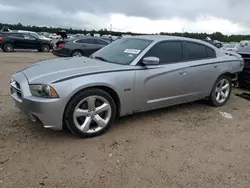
(122, 51)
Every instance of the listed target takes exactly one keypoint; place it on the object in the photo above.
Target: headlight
(44, 91)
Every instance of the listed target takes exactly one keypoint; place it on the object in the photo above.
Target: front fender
(121, 82)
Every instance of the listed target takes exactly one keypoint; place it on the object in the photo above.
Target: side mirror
(151, 61)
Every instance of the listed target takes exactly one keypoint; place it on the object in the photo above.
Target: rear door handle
(216, 66)
(182, 72)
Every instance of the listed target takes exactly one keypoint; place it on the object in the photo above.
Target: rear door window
(87, 41)
(195, 51)
(15, 35)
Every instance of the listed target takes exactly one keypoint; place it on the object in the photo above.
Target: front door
(29, 41)
(164, 84)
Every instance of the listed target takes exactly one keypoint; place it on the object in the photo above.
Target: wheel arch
(8, 42)
(223, 74)
(107, 89)
(82, 51)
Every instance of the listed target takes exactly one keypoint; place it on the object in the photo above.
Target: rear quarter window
(195, 51)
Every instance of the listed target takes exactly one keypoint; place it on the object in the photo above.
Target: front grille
(246, 58)
(15, 89)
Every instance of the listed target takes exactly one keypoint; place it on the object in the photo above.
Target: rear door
(16, 39)
(202, 70)
(164, 84)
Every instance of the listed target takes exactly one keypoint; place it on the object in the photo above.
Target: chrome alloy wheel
(92, 114)
(222, 91)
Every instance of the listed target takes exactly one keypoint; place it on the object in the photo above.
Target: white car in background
(232, 47)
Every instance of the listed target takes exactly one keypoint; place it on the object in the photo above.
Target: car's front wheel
(45, 48)
(90, 113)
(77, 53)
(221, 91)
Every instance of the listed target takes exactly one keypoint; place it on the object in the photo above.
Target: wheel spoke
(218, 96)
(80, 113)
(101, 122)
(225, 87)
(91, 103)
(102, 108)
(85, 125)
(223, 95)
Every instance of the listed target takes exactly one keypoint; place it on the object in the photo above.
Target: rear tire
(77, 53)
(8, 47)
(90, 113)
(221, 91)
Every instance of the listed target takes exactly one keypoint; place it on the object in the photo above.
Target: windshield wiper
(101, 58)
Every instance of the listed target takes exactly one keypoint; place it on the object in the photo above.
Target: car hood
(49, 71)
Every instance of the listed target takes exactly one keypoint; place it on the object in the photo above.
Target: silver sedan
(131, 75)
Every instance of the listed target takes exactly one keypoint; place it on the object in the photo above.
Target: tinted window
(28, 36)
(167, 52)
(195, 51)
(210, 53)
(101, 42)
(89, 41)
(16, 35)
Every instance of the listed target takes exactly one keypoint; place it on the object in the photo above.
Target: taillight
(1, 38)
(61, 45)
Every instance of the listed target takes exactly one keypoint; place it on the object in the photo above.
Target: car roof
(158, 38)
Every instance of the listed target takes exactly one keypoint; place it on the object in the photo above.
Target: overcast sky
(146, 16)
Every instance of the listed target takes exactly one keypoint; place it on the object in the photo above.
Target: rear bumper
(61, 52)
(244, 77)
(49, 112)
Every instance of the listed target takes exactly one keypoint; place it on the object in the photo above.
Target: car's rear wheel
(90, 113)
(221, 91)
(77, 53)
(45, 48)
(8, 47)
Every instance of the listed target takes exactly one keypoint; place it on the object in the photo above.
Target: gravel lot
(189, 145)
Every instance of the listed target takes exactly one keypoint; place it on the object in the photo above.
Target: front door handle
(182, 72)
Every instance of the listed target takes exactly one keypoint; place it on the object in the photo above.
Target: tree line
(214, 36)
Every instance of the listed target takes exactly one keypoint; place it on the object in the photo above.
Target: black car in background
(244, 76)
(9, 41)
(80, 46)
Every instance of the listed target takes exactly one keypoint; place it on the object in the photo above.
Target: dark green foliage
(214, 36)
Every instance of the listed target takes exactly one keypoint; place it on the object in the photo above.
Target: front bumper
(47, 111)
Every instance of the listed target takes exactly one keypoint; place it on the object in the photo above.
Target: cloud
(230, 16)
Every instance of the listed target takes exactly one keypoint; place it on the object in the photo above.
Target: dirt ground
(189, 145)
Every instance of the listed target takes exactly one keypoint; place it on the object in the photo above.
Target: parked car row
(9, 41)
(127, 76)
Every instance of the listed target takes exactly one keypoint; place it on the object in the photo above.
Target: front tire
(77, 53)
(90, 113)
(45, 48)
(8, 47)
(221, 91)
